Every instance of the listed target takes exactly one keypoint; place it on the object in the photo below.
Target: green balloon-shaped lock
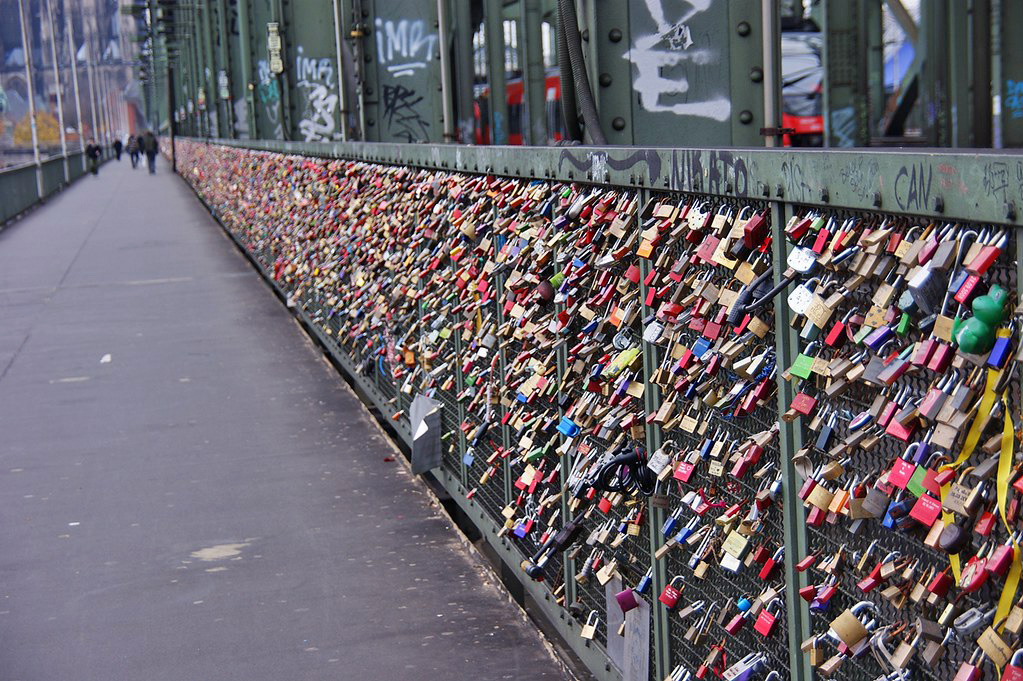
(977, 334)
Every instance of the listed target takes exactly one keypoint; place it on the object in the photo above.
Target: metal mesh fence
(562, 326)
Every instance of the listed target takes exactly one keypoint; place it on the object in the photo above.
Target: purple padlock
(627, 600)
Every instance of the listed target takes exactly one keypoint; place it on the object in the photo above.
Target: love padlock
(768, 567)
(767, 619)
(671, 593)
(645, 582)
(734, 625)
(627, 600)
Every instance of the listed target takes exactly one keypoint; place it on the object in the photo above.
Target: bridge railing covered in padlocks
(692, 469)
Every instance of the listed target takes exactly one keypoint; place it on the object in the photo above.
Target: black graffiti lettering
(727, 172)
(741, 174)
(400, 113)
(652, 159)
(582, 164)
(913, 187)
(796, 187)
(996, 179)
(719, 161)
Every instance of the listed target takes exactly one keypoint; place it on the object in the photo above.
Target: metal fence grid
(266, 236)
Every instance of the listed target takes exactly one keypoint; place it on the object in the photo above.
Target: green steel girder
(270, 108)
(535, 122)
(696, 72)
(224, 60)
(940, 184)
(612, 81)
(497, 105)
(845, 65)
(400, 50)
(311, 73)
(243, 78)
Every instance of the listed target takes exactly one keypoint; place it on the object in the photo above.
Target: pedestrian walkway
(189, 491)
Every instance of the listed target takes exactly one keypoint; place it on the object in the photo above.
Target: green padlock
(802, 367)
(903, 326)
(977, 334)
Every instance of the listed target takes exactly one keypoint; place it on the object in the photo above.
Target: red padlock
(941, 358)
(808, 593)
(684, 471)
(924, 351)
(768, 567)
(816, 517)
(926, 510)
(767, 619)
(1000, 561)
(827, 593)
(974, 575)
(836, 336)
(903, 469)
(941, 583)
(671, 593)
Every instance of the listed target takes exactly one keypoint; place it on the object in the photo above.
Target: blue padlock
(1000, 352)
(897, 511)
(744, 604)
(877, 338)
(670, 525)
(700, 347)
(687, 530)
(468, 457)
(645, 583)
(923, 452)
(817, 606)
(568, 427)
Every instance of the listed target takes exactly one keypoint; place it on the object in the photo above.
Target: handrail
(952, 184)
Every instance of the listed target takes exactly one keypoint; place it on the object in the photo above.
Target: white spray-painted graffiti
(319, 98)
(270, 96)
(404, 47)
(662, 59)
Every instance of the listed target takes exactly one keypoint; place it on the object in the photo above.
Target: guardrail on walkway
(800, 462)
(20, 185)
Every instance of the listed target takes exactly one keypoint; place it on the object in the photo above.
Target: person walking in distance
(118, 146)
(150, 147)
(92, 152)
(133, 150)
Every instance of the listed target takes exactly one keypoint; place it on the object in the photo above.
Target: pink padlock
(627, 600)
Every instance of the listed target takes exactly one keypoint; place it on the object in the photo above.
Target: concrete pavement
(189, 491)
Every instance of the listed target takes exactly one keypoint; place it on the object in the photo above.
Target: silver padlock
(652, 332)
(744, 668)
(971, 620)
(624, 339)
(802, 260)
(801, 297)
(927, 289)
